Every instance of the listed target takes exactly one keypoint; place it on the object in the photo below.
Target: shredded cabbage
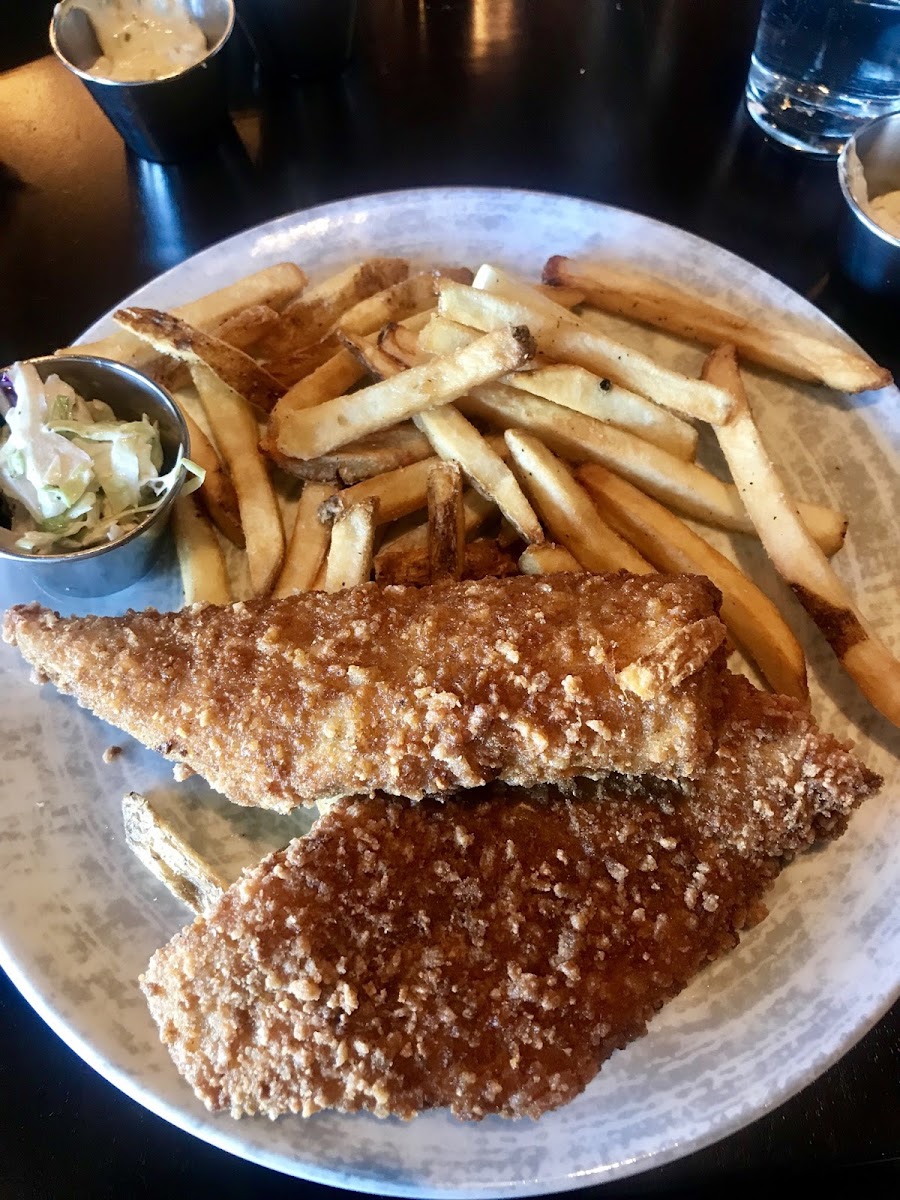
(74, 475)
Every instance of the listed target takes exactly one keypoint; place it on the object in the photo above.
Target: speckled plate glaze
(79, 916)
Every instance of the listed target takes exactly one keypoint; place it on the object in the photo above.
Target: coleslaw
(71, 473)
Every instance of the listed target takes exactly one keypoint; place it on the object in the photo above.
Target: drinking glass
(821, 68)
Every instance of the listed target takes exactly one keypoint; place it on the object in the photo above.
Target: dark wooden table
(637, 103)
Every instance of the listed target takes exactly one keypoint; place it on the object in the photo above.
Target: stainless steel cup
(869, 255)
(304, 39)
(164, 120)
(102, 570)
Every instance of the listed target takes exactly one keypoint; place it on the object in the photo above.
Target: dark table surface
(637, 103)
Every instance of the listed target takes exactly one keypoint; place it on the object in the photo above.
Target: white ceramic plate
(79, 916)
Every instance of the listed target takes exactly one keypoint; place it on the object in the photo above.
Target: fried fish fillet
(488, 953)
(412, 691)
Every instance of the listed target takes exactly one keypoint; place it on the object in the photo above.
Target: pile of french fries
(440, 425)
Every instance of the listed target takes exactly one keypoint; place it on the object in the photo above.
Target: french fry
(795, 555)
(388, 450)
(291, 369)
(168, 856)
(398, 446)
(567, 297)
(567, 338)
(235, 430)
(402, 344)
(412, 542)
(349, 560)
(246, 327)
(446, 528)
(273, 286)
(360, 347)
(751, 617)
(216, 493)
(370, 356)
(417, 321)
(484, 557)
(567, 510)
(489, 278)
(547, 559)
(308, 545)
(322, 470)
(311, 432)
(569, 386)
(654, 301)
(311, 317)
(169, 373)
(493, 279)
(407, 296)
(415, 294)
(400, 339)
(204, 575)
(439, 335)
(457, 440)
(402, 491)
(404, 568)
(693, 490)
(331, 379)
(508, 535)
(574, 387)
(319, 581)
(171, 335)
(443, 336)
(398, 493)
(683, 485)
(240, 330)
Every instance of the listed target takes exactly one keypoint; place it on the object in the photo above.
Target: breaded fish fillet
(488, 953)
(410, 690)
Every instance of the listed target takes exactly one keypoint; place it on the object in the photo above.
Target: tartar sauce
(143, 39)
(884, 210)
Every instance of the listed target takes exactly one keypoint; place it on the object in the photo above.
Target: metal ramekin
(102, 570)
(164, 120)
(869, 255)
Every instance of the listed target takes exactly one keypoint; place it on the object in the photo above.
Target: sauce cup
(163, 120)
(102, 570)
(870, 255)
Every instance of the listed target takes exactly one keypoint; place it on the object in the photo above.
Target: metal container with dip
(109, 566)
(869, 175)
(153, 66)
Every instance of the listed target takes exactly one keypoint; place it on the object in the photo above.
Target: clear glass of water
(821, 68)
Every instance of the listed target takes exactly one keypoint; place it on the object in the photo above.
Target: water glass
(821, 68)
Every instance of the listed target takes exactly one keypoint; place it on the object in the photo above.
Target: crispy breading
(413, 691)
(488, 953)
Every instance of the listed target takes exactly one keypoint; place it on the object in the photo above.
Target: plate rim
(315, 210)
(571, 1182)
(131, 1085)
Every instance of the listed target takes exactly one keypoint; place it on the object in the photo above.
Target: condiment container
(869, 255)
(164, 120)
(102, 570)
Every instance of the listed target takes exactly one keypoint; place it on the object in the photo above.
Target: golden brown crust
(409, 690)
(488, 953)
(776, 782)
(170, 334)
